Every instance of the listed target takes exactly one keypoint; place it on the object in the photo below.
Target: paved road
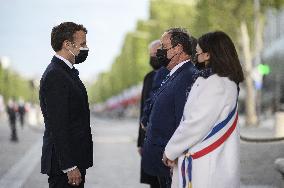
(116, 162)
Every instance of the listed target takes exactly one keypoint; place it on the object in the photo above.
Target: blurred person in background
(12, 109)
(22, 112)
(2, 107)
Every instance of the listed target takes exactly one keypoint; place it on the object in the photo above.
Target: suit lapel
(62, 64)
(74, 77)
(80, 84)
(172, 77)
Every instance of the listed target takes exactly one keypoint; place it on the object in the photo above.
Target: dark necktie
(165, 79)
(75, 72)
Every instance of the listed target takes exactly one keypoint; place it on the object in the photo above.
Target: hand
(140, 149)
(74, 177)
(168, 162)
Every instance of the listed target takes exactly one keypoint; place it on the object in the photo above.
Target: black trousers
(165, 181)
(155, 185)
(148, 179)
(61, 181)
(14, 136)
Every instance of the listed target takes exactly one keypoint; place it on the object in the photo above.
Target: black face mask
(200, 66)
(82, 56)
(162, 57)
(155, 63)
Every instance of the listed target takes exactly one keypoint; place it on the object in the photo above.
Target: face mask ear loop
(71, 51)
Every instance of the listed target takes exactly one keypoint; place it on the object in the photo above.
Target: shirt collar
(178, 66)
(65, 61)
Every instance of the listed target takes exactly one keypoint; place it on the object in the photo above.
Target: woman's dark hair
(224, 59)
(193, 45)
(64, 31)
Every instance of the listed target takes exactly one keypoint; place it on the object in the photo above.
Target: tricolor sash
(211, 142)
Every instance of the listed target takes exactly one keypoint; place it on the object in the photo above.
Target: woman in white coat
(204, 150)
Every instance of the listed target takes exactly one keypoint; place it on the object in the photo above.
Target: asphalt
(116, 161)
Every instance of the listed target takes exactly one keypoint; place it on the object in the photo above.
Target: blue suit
(147, 105)
(168, 104)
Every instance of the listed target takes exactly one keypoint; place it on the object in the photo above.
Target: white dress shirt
(65, 61)
(178, 66)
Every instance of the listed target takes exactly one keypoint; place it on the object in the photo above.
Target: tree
(198, 17)
(12, 84)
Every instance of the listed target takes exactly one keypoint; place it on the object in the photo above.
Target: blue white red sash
(213, 140)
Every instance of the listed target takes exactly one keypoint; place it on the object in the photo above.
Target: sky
(26, 26)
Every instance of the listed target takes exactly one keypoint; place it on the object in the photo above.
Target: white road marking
(19, 173)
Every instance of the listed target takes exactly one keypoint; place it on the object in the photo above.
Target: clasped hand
(168, 162)
(74, 177)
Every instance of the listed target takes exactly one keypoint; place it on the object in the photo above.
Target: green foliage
(197, 16)
(225, 16)
(277, 4)
(14, 85)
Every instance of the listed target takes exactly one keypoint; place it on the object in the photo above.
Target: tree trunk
(250, 103)
(258, 44)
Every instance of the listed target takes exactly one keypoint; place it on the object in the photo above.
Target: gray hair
(154, 43)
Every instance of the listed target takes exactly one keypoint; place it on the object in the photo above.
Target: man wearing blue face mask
(67, 142)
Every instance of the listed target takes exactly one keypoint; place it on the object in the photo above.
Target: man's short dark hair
(182, 37)
(64, 31)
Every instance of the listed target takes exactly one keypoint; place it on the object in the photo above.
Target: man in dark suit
(67, 149)
(168, 101)
(150, 84)
(22, 112)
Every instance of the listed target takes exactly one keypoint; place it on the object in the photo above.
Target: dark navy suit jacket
(67, 139)
(157, 79)
(166, 114)
(146, 92)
